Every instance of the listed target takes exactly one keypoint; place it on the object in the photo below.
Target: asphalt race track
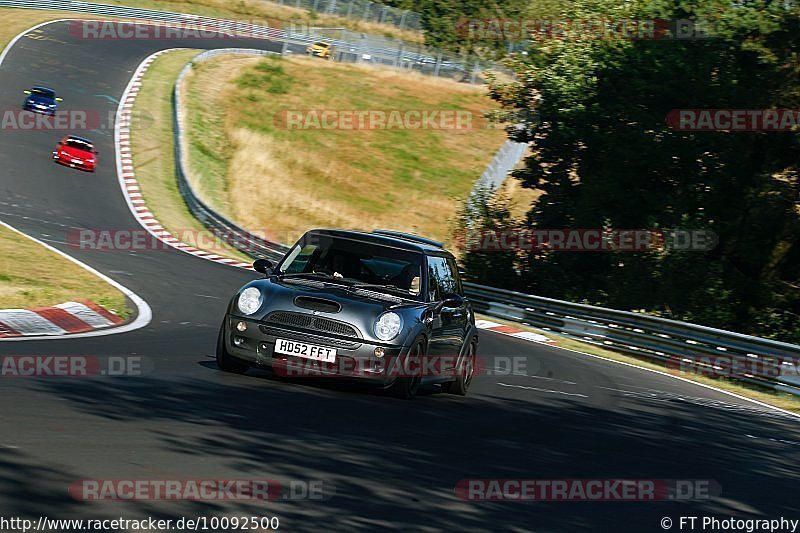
(384, 463)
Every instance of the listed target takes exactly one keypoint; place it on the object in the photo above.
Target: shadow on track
(396, 462)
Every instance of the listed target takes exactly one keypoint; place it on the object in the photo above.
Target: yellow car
(320, 49)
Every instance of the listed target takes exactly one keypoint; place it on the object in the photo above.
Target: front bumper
(355, 358)
(67, 161)
(49, 112)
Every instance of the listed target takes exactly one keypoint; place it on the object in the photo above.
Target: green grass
(33, 276)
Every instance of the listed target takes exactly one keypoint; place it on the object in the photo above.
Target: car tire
(466, 371)
(407, 387)
(225, 361)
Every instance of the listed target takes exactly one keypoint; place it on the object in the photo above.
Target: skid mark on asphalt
(107, 97)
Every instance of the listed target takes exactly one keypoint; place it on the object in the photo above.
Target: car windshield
(79, 144)
(46, 93)
(357, 262)
(321, 44)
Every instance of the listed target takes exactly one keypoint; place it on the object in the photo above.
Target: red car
(76, 152)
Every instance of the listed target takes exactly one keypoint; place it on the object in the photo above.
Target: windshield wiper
(373, 286)
(324, 275)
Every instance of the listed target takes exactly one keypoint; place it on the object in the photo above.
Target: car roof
(43, 88)
(398, 240)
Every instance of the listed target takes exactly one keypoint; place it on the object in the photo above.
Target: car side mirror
(264, 266)
(26, 92)
(59, 99)
(451, 301)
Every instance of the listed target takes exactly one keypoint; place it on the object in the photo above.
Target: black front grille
(311, 323)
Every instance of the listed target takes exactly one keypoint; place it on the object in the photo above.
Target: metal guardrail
(398, 54)
(680, 345)
(677, 344)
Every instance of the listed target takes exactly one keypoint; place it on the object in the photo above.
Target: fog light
(238, 341)
(241, 326)
(378, 352)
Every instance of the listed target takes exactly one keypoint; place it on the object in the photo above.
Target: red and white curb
(513, 331)
(127, 175)
(70, 317)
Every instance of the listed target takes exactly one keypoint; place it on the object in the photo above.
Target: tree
(605, 157)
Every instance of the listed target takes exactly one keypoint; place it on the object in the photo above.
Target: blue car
(41, 100)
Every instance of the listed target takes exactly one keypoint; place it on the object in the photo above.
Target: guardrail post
(438, 65)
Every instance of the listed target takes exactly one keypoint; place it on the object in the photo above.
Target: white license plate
(307, 351)
(76, 161)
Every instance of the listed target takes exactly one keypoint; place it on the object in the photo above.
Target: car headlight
(388, 326)
(250, 300)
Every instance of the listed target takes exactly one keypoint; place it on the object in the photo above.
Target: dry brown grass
(411, 180)
(270, 13)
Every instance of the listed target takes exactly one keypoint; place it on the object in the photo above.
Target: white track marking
(543, 390)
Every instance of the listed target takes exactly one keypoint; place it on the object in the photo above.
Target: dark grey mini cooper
(383, 307)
